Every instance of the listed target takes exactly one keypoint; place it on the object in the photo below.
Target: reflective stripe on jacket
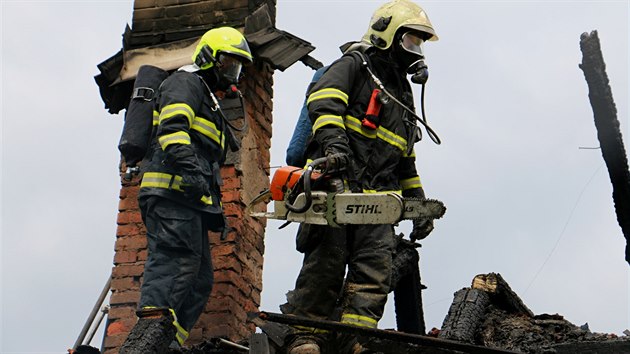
(337, 104)
(184, 115)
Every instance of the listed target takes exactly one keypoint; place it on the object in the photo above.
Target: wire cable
(555, 246)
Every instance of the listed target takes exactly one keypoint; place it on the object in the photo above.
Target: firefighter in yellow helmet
(374, 154)
(180, 195)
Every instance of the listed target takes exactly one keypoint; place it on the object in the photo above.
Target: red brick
(217, 304)
(125, 297)
(129, 230)
(135, 242)
(230, 209)
(142, 255)
(227, 263)
(128, 270)
(128, 217)
(122, 312)
(226, 290)
(219, 331)
(123, 284)
(231, 196)
(228, 171)
(129, 192)
(128, 204)
(222, 250)
(117, 327)
(230, 277)
(125, 257)
(231, 183)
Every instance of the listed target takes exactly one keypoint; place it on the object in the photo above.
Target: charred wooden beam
(611, 347)
(465, 315)
(501, 294)
(407, 288)
(608, 132)
(427, 343)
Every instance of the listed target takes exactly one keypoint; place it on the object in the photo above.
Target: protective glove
(338, 158)
(183, 158)
(195, 186)
(421, 229)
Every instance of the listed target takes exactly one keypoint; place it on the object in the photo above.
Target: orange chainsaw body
(285, 178)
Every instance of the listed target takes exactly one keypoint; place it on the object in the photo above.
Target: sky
(505, 95)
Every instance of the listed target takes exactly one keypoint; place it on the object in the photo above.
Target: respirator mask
(229, 72)
(411, 56)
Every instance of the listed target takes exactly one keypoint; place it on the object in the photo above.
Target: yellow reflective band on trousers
(398, 141)
(328, 93)
(156, 118)
(209, 129)
(409, 183)
(328, 119)
(181, 334)
(174, 138)
(358, 320)
(174, 109)
(167, 181)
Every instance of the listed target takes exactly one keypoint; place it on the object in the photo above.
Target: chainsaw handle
(307, 192)
(306, 178)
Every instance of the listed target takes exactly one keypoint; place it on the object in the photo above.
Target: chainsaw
(294, 200)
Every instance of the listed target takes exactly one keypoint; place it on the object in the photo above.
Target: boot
(152, 334)
(304, 344)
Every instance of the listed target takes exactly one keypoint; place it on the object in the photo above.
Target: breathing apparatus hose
(432, 134)
(234, 144)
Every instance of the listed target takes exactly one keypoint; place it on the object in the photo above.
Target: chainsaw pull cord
(432, 134)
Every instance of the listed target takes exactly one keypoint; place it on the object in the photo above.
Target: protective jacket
(380, 162)
(185, 115)
(383, 159)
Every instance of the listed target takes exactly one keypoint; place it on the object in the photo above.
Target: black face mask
(408, 51)
(410, 57)
(228, 71)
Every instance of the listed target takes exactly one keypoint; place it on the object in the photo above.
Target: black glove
(421, 229)
(338, 158)
(183, 158)
(195, 186)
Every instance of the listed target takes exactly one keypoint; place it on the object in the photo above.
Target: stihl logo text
(363, 209)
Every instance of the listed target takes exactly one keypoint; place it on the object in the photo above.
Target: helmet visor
(412, 43)
(229, 68)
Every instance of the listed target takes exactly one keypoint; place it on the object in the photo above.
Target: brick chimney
(237, 260)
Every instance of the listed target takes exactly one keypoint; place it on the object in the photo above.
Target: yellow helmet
(392, 16)
(226, 40)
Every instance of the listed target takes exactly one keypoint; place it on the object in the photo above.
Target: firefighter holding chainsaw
(180, 191)
(368, 137)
